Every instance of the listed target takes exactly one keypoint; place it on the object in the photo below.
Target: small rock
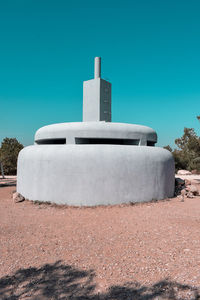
(17, 197)
(195, 181)
(193, 189)
(187, 182)
(184, 172)
(183, 194)
(190, 195)
(195, 172)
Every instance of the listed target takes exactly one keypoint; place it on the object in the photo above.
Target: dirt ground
(144, 251)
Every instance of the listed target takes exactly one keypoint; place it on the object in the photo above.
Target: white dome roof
(96, 130)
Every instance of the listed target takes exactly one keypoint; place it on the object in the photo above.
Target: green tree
(189, 149)
(187, 154)
(9, 151)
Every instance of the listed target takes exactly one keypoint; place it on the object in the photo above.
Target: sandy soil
(145, 251)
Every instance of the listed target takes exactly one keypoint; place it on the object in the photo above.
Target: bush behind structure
(9, 151)
(187, 154)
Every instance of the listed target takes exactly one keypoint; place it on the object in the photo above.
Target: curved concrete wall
(95, 174)
(98, 130)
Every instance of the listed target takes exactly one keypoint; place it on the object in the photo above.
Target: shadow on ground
(59, 281)
(7, 182)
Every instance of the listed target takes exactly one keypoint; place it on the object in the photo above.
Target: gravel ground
(144, 251)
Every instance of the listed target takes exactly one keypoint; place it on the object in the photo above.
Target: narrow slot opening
(108, 141)
(150, 143)
(56, 141)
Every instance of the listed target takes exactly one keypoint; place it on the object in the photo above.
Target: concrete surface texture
(95, 174)
(95, 162)
(97, 97)
(104, 130)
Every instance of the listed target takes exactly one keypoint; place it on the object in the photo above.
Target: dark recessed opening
(150, 143)
(51, 141)
(106, 141)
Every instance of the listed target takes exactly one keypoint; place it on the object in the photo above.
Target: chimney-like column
(97, 97)
(97, 67)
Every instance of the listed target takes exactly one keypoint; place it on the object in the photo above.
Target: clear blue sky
(150, 52)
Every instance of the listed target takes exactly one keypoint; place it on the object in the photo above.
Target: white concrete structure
(97, 97)
(95, 162)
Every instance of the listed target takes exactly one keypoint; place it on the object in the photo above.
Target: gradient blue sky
(150, 52)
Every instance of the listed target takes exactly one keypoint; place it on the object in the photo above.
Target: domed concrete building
(95, 162)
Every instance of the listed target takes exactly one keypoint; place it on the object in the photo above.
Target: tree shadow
(7, 182)
(59, 281)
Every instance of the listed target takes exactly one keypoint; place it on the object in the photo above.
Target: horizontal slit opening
(108, 141)
(150, 143)
(55, 141)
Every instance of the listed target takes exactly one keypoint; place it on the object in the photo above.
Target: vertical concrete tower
(97, 97)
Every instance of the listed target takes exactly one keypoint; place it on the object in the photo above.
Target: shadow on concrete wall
(59, 281)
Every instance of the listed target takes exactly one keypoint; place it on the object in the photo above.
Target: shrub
(187, 154)
(9, 151)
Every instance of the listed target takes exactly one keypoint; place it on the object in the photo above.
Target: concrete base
(92, 175)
